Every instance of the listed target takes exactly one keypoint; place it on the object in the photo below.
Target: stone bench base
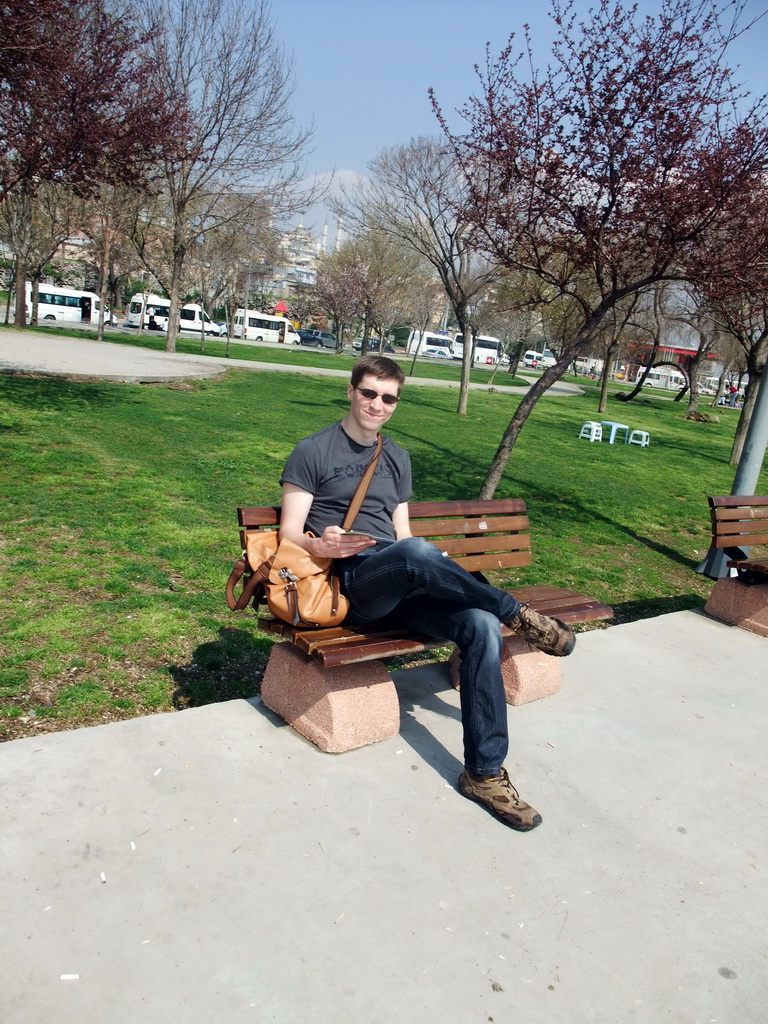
(343, 708)
(528, 674)
(337, 709)
(742, 604)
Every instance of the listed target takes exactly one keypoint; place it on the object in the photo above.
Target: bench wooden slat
(740, 515)
(755, 564)
(568, 605)
(502, 543)
(311, 644)
(737, 500)
(734, 540)
(482, 526)
(378, 650)
(479, 507)
(491, 562)
(269, 515)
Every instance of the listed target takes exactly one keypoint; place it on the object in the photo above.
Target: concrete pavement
(211, 865)
(75, 358)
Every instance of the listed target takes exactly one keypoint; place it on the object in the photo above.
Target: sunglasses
(368, 394)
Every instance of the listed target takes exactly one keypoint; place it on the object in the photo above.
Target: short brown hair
(377, 366)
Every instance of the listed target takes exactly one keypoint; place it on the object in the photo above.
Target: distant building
(300, 251)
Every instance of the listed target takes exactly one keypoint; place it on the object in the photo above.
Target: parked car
(373, 345)
(317, 339)
(436, 352)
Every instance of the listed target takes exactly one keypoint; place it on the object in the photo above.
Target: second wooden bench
(741, 521)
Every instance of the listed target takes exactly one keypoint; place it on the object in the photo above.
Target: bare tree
(415, 194)
(614, 164)
(222, 57)
(388, 267)
(745, 318)
(36, 226)
(694, 312)
(340, 287)
(107, 224)
(303, 303)
(425, 299)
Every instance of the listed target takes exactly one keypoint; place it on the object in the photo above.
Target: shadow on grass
(229, 668)
(63, 395)
(632, 611)
(577, 511)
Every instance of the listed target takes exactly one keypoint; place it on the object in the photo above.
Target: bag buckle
(286, 575)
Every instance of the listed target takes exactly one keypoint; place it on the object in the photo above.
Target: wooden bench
(331, 685)
(741, 521)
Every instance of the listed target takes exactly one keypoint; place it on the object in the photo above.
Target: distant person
(734, 393)
(153, 325)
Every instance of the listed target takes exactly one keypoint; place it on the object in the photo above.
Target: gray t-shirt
(329, 465)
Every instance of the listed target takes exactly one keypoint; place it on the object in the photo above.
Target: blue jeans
(411, 583)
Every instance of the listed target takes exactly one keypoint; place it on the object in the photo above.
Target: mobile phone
(358, 533)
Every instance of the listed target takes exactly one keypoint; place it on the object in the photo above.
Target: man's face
(372, 413)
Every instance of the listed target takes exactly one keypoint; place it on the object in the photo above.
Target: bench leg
(742, 604)
(337, 709)
(528, 674)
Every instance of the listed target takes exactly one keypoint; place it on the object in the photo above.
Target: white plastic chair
(641, 437)
(592, 431)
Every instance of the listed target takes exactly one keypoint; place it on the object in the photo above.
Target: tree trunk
(639, 386)
(20, 317)
(105, 257)
(11, 292)
(603, 403)
(34, 300)
(743, 425)
(466, 363)
(175, 304)
(514, 359)
(516, 424)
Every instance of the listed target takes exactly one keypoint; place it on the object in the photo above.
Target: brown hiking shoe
(550, 635)
(501, 798)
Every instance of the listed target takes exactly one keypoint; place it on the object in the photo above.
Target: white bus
(67, 304)
(152, 311)
(423, 340)
(264, 327)
(665, 377)
(487, 350)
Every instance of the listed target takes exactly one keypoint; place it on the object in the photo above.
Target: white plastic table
(614, 428)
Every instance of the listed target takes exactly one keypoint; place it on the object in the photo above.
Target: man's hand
(334, 543)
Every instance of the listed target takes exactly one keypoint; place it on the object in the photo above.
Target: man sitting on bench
(388, 574)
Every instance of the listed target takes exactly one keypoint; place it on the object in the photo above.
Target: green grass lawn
(118, 527)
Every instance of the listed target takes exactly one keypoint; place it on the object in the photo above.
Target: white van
(422, 340)
(253, 325)
(665, 377)
(539, 360)
(152, 311)
(67, 304)
(488, 349)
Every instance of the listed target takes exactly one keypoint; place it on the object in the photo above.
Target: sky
(363, 68)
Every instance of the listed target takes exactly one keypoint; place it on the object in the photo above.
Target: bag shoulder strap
(362, 488)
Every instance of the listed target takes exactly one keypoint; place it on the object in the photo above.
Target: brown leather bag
(298, 588)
